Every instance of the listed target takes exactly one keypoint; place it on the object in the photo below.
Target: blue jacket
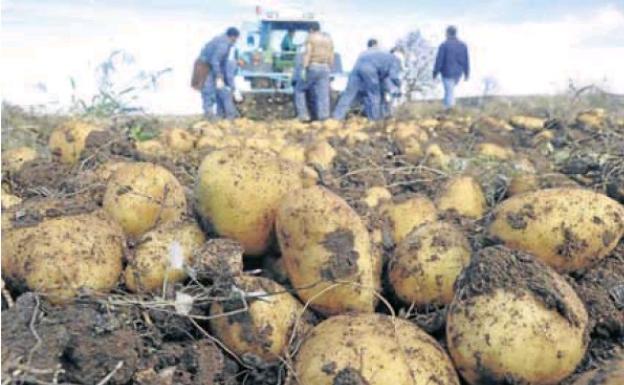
(215, 54)
(452, 60)
(387, 66)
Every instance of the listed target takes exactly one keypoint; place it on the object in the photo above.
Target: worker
(318, 60)
(391, 90)
(288, 43)
(300, 89)
(229, 94)
(215, 56)
(451, 62)
(375, 73)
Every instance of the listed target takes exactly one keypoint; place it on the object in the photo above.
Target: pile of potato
(512, 316)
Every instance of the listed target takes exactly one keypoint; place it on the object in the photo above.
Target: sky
(528, 47)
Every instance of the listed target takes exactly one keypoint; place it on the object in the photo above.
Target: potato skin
(161, 253)
(610, 374)
(509, 333)
(14, 159)
(140, 196)
(463, 195)
(324, 241)
(68, 140)
(372, 349)
(58, 258)
(568, 229)
(239, 190)
(427, 263)
(265, 328)
(409, 214)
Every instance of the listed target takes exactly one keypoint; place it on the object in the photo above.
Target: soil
(343, 260)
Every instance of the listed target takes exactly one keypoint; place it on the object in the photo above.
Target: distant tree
(419, 58)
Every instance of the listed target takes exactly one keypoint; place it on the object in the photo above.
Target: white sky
(44, 43)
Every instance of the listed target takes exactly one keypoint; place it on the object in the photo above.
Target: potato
(152, 148)
(568, 229)
(265, 328)
(464, 196)
(371, 349)
(610, 374)
(239, 190)
(529, 123)
(411, 148)
(61, 252)
(514, 318)
(162, 255)
(592, 119)
(320, 153)
(530, 182)
(405, 216)
(140, 196)
(68, 140)
(14, 159)
(429, 123)
(375, 195)
(293, 153)
(427, 262)
(9, 200)
(492, 150)
(178, 139)
(436, 157)
(324, 242)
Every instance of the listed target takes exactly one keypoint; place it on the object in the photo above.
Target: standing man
(288, 42)
(300, 89)
(214, 89)
(451, 62)
(318, 61)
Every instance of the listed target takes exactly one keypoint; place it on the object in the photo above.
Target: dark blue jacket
(452, 60)
(215, 54)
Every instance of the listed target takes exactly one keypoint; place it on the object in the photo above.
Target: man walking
(451, 62)
(318, 61)
(214, 89)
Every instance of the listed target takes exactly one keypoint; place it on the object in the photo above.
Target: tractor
(265, 76)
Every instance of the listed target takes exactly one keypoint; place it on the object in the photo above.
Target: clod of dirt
(343, 261)
(218, 260)
(349, 376)
(500, 268)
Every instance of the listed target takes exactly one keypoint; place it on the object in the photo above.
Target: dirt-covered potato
(9, 200)
(140, 196)
(162, 255)
(14, 159)
(321, 154)
(239, 190)
(371, 349)
(514, 319)
(405, 216)
(178, 139)
(529, 123)
(610, 374)
(493, 150)
(464, 196)
(376, 195)
(427, 262)
(264, 328)
(568, 229)
(60, 250)
(69, 139)
(327, 252)
(522, 183)
(152, 148)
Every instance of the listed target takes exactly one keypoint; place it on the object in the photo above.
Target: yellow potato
(140, 196)
(152, 148)
(321, 153)
(593, 119)
(371, 349)
(239, 190)
(427, 263)
(293, 153)
(437, 157)
(375, 195)
(327, 252)
(405, 216)
(14, 159)
(529, 123)
(68, 140)
(492, 150)
(530, 182)
(266, 327)
(61, 253)
(411, 147)
(162, 255)
(464, 196)
(178, 139)
(514, 317)
(9, 200)
(567, 228)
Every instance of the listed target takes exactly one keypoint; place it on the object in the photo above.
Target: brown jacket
(200, 74)
(319, 49)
